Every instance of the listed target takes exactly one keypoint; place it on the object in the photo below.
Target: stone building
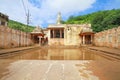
(3, 19)
(69, 34)
(37, 35)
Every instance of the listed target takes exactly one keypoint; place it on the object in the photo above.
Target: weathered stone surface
(56, 41)
(71, 33)
(10, 38)
(108, 38)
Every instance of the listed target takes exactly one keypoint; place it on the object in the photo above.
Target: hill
(19, 26)
(101, 20)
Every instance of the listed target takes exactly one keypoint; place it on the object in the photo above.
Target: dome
(38, 30)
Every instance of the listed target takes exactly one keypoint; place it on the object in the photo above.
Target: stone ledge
(6, 51)
(110, 51)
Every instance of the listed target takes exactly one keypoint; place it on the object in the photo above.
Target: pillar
(83, 39)
(91, 39)
(60, 33)
(6, 23)
(53, 33)
(39, 40)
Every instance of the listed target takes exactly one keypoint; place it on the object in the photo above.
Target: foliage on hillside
(19, 26)
(101, 20)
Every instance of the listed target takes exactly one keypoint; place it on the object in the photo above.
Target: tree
(101, 20)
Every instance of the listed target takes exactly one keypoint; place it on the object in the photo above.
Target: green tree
(101, 20)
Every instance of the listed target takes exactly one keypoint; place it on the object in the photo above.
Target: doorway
(87, 39)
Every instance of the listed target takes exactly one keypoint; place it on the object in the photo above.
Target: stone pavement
(4, 51)
(112, 51)
(47, 70)
(59, 70)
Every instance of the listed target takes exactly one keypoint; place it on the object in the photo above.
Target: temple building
(69, 34)
(3, 19)
(37, 35)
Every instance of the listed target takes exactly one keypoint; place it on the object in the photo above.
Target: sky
(44, 12)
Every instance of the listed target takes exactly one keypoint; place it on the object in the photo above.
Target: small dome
(38, 30)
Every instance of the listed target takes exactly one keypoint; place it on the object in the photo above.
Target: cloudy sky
(44, 12)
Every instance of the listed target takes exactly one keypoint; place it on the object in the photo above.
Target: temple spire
(59, 18)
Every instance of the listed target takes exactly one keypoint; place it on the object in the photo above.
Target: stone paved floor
(59, 70)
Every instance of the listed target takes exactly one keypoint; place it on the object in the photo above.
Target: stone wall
(71, 34)
(108, 38)
(56, 41)
(10, 38)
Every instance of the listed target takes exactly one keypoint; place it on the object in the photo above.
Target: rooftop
(3, 16)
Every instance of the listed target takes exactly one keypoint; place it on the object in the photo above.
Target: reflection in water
(54, 64)
(56, 54)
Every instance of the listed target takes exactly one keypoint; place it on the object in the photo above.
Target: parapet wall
(108, 38)
(10, 38)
